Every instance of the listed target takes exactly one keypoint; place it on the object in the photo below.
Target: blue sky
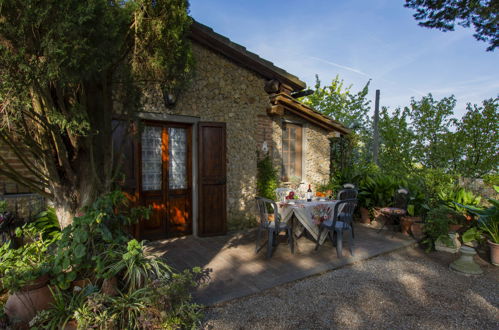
(359, 40)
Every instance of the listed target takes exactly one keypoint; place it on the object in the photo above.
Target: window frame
(299, 150)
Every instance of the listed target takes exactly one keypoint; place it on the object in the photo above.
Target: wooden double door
(166, 183)
(165, 176)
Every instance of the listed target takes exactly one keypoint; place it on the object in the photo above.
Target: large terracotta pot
(364, 216)
(417, 230)
(406, 224)
(494, 253)
(455, 228)
(23, 305)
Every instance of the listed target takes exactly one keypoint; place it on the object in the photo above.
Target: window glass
(177, 160)
(291, 151)
(151, 158)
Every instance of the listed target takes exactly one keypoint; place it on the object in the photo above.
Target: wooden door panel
(214, 155)
(213, 209)
(212, 179)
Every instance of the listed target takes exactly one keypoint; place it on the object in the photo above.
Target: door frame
(165, 227)
(177, 119)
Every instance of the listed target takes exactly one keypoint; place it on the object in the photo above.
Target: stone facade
(223, 91)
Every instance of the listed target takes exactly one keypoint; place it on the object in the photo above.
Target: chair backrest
(347, 194)
(266, 207)
(281, 193)
(346, 207)
(349, 186)
(401, 198)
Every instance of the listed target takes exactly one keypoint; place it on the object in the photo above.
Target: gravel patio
(405, 289)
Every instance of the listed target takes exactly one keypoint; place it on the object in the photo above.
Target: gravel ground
(407, 289)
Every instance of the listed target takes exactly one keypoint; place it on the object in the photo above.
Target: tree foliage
(340, 103)
(478, 138)
(396, 139)
(430, 122)
(444, 14)
(67, 68)
(351, 109)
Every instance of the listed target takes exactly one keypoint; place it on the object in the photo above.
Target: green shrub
(94, 240)
(21, 266)
(437, 225)
(136, 269)
(267, 178)
(456, 196)
(491, 179)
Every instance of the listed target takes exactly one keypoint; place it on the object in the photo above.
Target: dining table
(309, 216)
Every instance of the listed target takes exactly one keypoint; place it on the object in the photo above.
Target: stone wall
(223, 91)
(316, 149)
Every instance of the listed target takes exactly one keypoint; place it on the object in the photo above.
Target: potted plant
(437, 227)
(488, 223)
(24, 273)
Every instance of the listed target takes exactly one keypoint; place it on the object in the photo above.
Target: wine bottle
(309, 194)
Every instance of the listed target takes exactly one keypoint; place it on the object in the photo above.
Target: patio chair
(271, 223)
(349, 186)
(349, 193)
(341, 222)
(281, 193)
(399, 206)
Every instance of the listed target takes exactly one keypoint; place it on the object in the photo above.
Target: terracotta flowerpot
(81, 283)
(406, 224)
(455, 228)
(71, 325)
(494, 253)
(417, 230)
(364, 216)
(110, 286)
(23, 305)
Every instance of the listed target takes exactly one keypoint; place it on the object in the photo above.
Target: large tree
(431, 122)
(351, 109)
(478, 135)
(67, 68)
(396, 141)
(444, 14)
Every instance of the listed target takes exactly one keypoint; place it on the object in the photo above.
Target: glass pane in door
(177, 160)
(151, 158)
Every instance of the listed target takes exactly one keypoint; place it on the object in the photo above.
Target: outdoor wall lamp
(169, 98)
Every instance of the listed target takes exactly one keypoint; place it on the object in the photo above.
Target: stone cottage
(196, 161)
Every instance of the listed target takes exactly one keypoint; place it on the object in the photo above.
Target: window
(291, 151)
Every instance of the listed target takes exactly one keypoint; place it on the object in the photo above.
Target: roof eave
(239, 54)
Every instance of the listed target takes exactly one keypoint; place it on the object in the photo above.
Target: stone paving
(237, 271)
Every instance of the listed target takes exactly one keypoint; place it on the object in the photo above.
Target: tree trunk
(65, 214)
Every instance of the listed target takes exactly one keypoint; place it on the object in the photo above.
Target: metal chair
(399, 205)
(341, 222)
(349, 193)
(271, 223)
(349, 186)
(281, 193)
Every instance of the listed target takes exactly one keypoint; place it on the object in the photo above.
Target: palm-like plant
(137, 268)
(488, 218)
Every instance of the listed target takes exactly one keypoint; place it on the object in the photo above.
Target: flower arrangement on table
(321, 213)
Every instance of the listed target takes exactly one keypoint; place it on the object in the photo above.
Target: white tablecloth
(308, 215)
